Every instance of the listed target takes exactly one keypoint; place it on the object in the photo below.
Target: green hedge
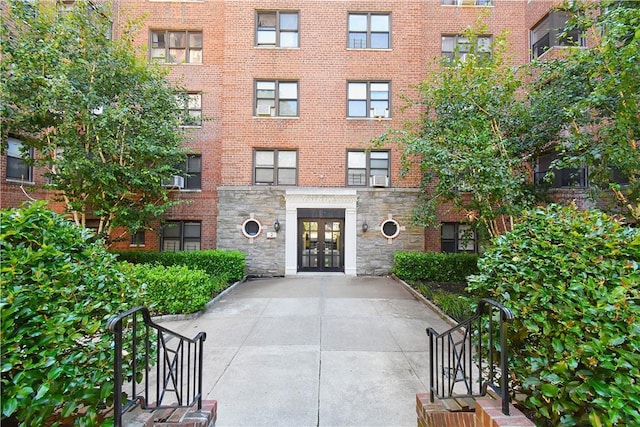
(216, 263)
(59, 288)
(572, 280)
(434, 266)
(175, 289)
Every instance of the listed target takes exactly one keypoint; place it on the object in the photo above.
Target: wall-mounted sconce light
(276, 225)
(365, 226)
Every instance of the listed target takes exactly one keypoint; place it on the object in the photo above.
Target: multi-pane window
(457, 46)
(466, 2)
(550, 32)
(277, 29)
(368, 99)
(176, 47)
(17, 167)
(455, 237)
(193, 172)
(190, 105)
(275, 167)
(181, 236)
(369, 31)
(137, 238)
(547, 174)
(277, 98)
(368, 168)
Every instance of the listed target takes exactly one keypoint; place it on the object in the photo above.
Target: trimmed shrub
(59, 288)
(176, 289)
(230, 264)
(434, 266)
(572, 279)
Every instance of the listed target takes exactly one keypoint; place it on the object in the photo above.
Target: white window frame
(16, 155)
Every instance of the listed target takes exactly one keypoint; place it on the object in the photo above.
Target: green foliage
(588, 99)
(177, 289)
(468, 138)
(572, 279)
(453, 304)
(59, 288)
(230, 264)
(105, 123)
(434, 266)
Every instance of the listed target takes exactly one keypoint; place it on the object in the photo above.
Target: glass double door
(321, 244)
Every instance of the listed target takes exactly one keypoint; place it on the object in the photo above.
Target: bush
(434, 266)
(176, 289)
(60, 287)
(572, 280)
(230, 264)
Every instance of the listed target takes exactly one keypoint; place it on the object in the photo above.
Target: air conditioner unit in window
(175, 181)
(379, 113)
(379, 181)
(264, 110)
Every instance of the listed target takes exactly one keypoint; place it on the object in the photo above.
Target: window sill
(277, 47)
(370, 118)
(20, 182)
(190, 190)
(190, 127)
(370, 49)
(278, 117)
(142, 245)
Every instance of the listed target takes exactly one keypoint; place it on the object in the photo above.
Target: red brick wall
(322, 65)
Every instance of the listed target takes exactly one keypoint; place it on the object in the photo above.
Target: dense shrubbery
(572, 279)
(434, 266)
(176, 289)
(59, 288)
(215, 262)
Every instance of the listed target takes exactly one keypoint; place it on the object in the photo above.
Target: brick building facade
(292, 92)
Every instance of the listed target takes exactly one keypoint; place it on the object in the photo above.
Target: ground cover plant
(441, 278)
(572, 279)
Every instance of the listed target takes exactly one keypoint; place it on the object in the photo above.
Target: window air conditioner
(379, 113)
(264, 110)
(379, 181)
(176, 181)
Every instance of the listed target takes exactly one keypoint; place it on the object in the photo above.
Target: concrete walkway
(315, 351)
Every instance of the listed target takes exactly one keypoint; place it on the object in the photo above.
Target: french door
(321, 244)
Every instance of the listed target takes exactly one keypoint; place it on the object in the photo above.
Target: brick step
(179, 417)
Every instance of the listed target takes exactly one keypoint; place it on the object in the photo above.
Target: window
(363, 165)
(190, 105)
(558, 178)
(275, 98)
(17, 167)
(466, 2)
(137, 238)
(277, 29)
(550, 32)
(276, 167)
(176, 47)
(368, 99)
(193, 172)
(181, 236)
(459, 47)
(457, 237)
(369, 31)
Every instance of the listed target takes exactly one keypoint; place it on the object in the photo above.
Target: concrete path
(315, 351)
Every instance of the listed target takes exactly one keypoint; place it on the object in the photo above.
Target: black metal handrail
(470, 347)
(177, 360)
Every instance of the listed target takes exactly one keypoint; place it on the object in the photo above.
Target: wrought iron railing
(154, 367)
(466, 359)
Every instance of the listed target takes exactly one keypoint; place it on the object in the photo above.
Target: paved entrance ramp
(315, 351)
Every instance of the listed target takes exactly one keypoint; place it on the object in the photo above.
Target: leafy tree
(467, 139)
(588, 99)
(103, 122)
(572, 279)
